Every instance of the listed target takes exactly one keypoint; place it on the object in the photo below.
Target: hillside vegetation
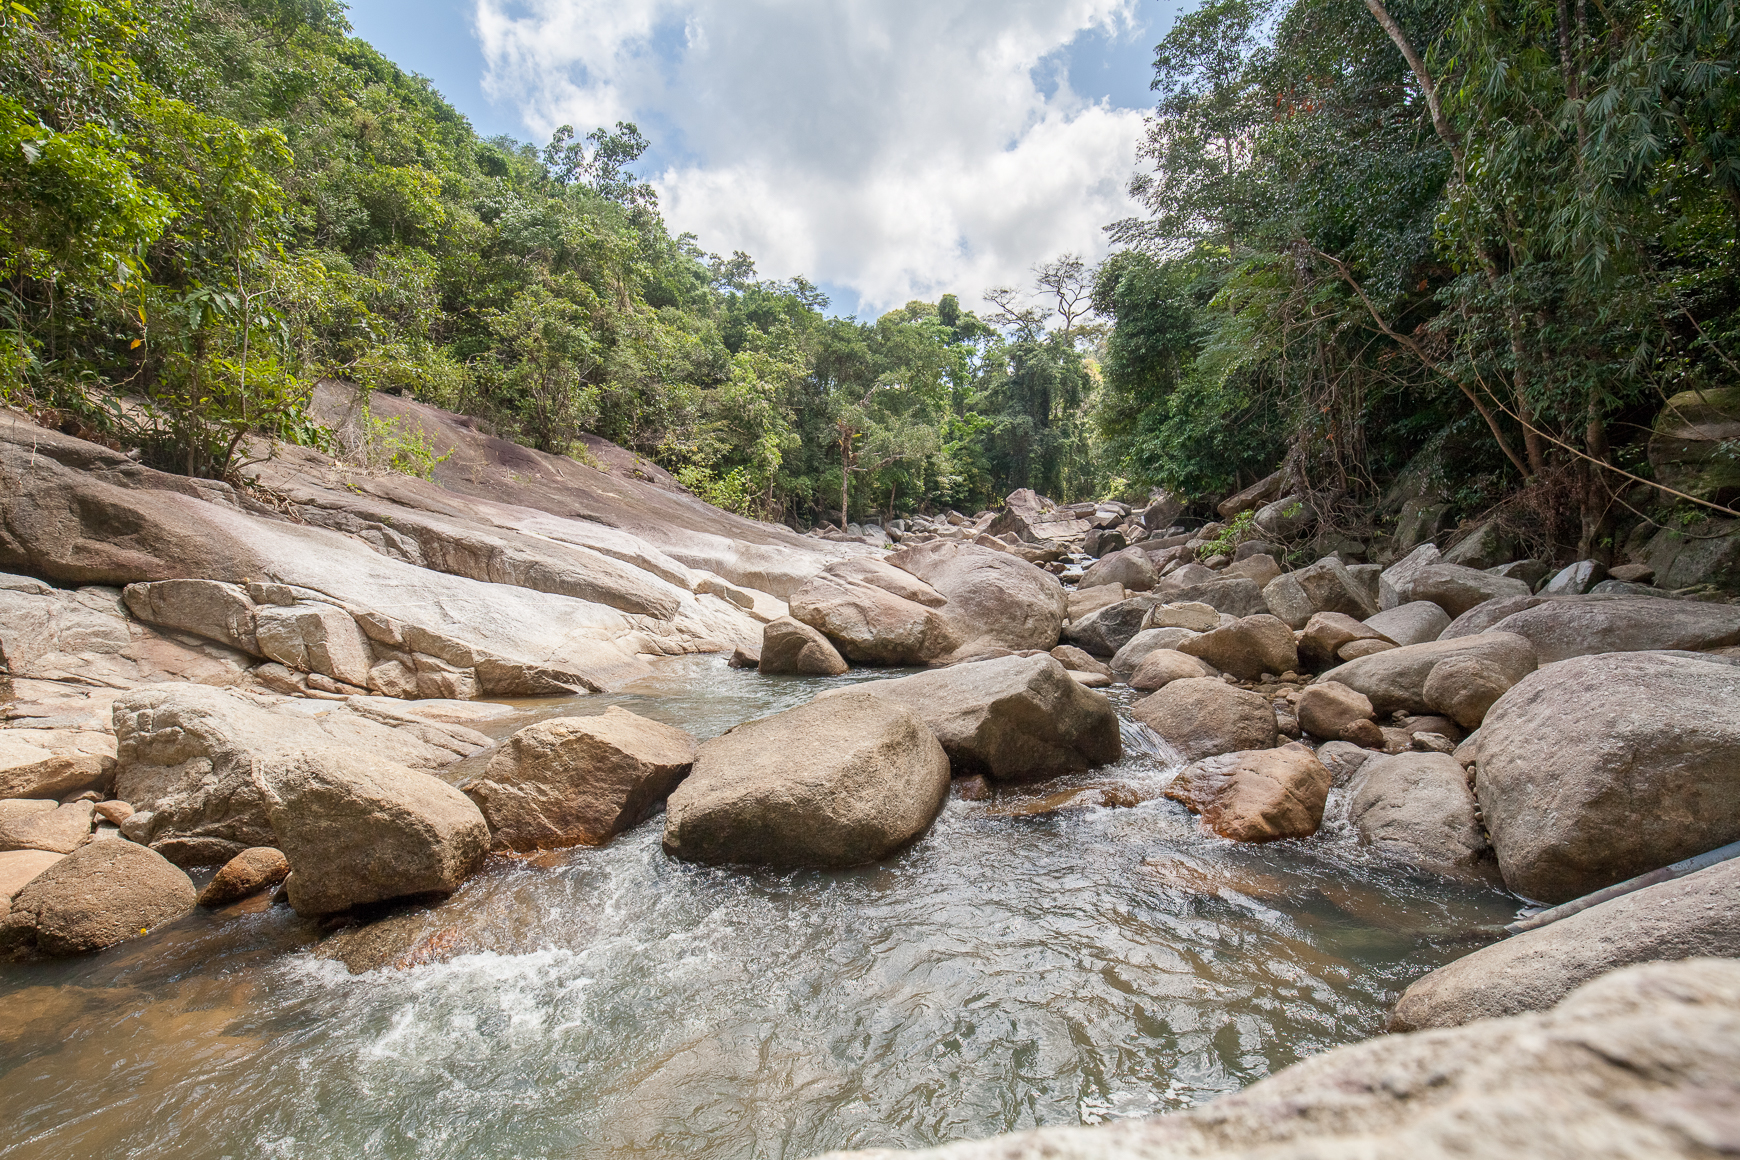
(1472, 247)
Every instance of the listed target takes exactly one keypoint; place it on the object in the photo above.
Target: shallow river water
(1013, 968)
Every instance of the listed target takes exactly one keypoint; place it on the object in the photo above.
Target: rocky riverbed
(443, 792)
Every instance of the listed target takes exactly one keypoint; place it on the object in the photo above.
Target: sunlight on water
(1011, 969)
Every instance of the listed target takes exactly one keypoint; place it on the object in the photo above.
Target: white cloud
(901, 148)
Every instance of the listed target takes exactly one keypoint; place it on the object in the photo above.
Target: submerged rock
(1687, 917)
(1600, 768)
(1012, 719)
(841, 781)
(570, 781)
(95, 897)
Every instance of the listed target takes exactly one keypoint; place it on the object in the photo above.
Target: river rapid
(1035, 959)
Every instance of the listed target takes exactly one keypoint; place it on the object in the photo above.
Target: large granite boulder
(1104, 631)
(993, 598)
(1680, 919)
(1417, 808)
(1149, 640)
(55, 763)
(1455, 588)
(1415, 622)
(1260, 795)
(1396, 678)
(579, 781)
(1334, 712)
(1203, 717)
(1394, 581)
(1247, 648)
(1235, 596)
(1129, 567)
(1574, 626)
(1326, 633)
(1600, 768)
(793, 647)
(877, 614)
(208, 608)
(99, 895)
(1636, 1065)
(1162, 666)
(1012, 719)
(1035, 519)
(1464, 688)
(359, 829)
(841, 781)
(188, 758)
(1326, 586)
(245, 875)
(1691, 448)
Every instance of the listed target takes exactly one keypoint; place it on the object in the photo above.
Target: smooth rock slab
(1260, 795)
(1685, 918)
(579, 781)
(44, 825)
(1011, 719)
(17, 868)
(95, 897)
(844, 780)
(1600, 768)
(992, 598)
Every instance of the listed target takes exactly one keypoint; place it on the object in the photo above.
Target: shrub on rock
(1600, 768)
(1202, 717)
(1012, 719)
(791, 646)
(99, 895)
(359, 829)
(579, 781)
(841, 781)
(1256, 795)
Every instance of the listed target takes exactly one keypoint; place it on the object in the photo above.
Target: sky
(885, 149)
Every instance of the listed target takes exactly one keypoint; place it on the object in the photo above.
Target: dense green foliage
(1510, 251)
(207, 206)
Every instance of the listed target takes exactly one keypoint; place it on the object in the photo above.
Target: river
(1034, 959)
